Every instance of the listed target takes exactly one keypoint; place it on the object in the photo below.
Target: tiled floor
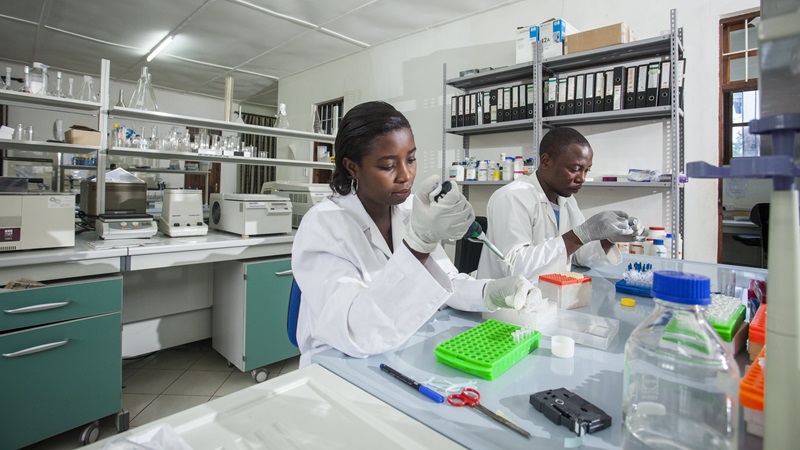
(167, 382)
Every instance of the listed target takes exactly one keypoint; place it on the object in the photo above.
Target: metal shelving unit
(56, 104)
(666, 47)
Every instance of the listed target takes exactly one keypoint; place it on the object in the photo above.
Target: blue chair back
(294, 311)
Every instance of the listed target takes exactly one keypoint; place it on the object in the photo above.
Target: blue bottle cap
(679, 287)
(658, 242)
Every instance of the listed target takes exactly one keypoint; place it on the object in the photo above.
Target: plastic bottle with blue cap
(680, 385)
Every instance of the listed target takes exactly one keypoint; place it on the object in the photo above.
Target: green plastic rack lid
(728, 329)
(486, 350)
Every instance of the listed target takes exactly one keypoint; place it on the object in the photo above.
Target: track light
(161, 46)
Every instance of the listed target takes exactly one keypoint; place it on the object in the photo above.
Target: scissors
(470, 397)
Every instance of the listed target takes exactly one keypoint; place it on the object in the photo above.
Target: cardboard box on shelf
(553, 33)
(619, 33)
(82, 137)
(526, 36)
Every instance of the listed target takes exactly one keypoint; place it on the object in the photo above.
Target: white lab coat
(359, 297)
(523, 226)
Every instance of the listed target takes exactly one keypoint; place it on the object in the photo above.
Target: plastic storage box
(586, 329)
(751, 396)
(566, 290)
(758, 332)
(487, 350)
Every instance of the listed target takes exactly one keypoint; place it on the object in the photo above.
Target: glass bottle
(70, 91)
(26, 85)
(316, 122)
(7, 83)
(59, 89)
(87, 90)
(282, 121)
(681, 384)
(144, 97)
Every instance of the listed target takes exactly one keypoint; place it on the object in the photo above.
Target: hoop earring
(353, 185)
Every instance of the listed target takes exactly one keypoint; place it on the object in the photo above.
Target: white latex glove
(509, 292)
(611, 225)
(432, 221)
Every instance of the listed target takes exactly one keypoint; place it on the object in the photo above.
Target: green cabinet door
(266, 307)
(57, 377)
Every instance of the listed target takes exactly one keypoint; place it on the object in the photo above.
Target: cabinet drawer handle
(34, 308)
(37, 349)
(284, 273)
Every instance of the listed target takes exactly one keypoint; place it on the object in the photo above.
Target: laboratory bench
(596, 375)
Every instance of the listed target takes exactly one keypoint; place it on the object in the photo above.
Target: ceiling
(257, 42)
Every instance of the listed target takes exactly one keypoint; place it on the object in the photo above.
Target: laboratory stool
(294, 311)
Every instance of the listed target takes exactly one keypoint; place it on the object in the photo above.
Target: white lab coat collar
(400, 216)
(534, 180)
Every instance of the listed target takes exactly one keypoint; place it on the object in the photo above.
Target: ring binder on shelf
(641, 86)
(599, 91)
(630, 88)
(562, 97)
(579, 95)
(608, 102)
(664, 88)
(588, 104)
(653, 72)
(619, 87)
(571, 95)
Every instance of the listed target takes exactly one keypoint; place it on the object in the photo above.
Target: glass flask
(87, 90)
(26, 85)
(7, 84)
(70, 91)
(316, 122)
(120, 101)
(39, 79)
(681, 384)
(59, 87)
(144, 97)
(282, 121)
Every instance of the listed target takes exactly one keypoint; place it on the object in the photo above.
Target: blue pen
(426, 391)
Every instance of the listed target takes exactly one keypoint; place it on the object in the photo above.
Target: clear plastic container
(483, 170)
(508, 169)
(680, 385)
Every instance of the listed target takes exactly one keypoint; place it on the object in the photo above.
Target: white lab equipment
(126, 226)
(302, 195)
(250, 214)
(182, 213)
(36, 220)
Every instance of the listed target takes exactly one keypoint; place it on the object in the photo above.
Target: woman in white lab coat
(535, 220)
(368, 259)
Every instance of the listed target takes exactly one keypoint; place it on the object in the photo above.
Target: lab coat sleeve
(467, 291)
(516, 223)
(352, 308)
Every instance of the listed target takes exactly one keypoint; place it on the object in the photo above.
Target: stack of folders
(639, 86)
(503, 104)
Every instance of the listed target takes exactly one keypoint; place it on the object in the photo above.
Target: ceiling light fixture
(161, 46)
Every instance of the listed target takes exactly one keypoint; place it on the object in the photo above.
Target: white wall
(408, 73)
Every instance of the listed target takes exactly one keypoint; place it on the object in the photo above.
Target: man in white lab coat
(536, 223)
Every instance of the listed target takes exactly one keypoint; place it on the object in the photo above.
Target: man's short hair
(559, 139)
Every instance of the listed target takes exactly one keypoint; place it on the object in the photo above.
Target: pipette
(475, 232)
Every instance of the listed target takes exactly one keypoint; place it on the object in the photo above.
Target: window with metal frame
(739, 96)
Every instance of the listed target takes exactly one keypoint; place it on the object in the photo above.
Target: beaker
(26, 85)
(144, 97)
(87, 90)
(282, 121)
